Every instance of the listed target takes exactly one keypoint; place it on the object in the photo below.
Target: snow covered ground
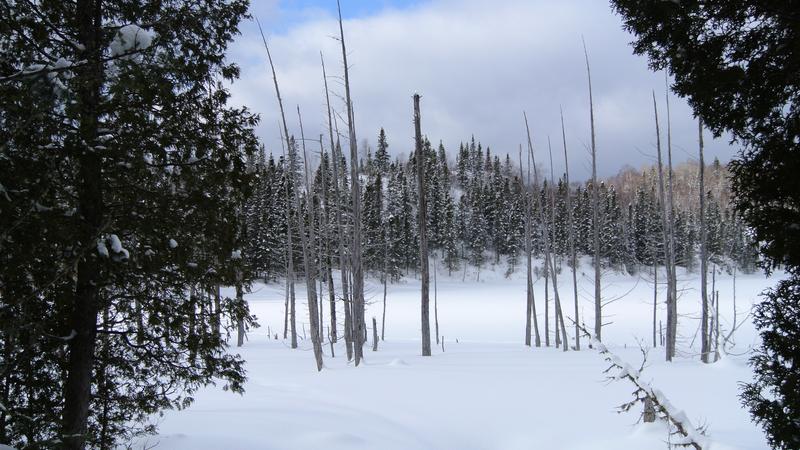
(486, 390)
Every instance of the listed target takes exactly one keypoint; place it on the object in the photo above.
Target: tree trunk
(385, 280)
(571, 237)
(598, 312)
(374, 335)
(85, 302)
(356, 266)
(705, 344)
(289, 175)
(422, 220)
(340, 234)
(549, 266)
(664, 220)
(435, 302)
(240, 332)
(530, 304)
(672, 298)
(307, 240)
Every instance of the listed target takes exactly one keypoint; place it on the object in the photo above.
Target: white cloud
(477, 65)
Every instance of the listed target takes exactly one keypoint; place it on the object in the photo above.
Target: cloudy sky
(477, 65)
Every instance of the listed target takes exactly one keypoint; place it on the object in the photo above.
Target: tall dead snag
(339, 236)
(419, 155)
(549, 266)
(328, 256)
(356, 260)
(530, 311)
(289, 176)
(705, 346)
(307, 239)
(672, 298)
(571, 235)
(340, 233)
(435, 302)
(598, 312)
(665, 226)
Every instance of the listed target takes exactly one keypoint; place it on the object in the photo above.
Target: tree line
(475, 213)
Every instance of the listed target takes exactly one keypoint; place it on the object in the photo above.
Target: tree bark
(307, 240)
(289, 176)
(571, 236)
(422, 219)
(705, 344)
(665, 227)
(672, 298)
(340, 234)
(530, 311)
(549, 266)
(85, 303)
(598, 312)
(356, 266)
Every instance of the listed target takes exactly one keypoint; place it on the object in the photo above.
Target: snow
(102, 249)
(173, 243)
(130, 38)
(116, 245)
(486, 390)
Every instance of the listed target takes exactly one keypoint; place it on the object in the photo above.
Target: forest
(158, 249)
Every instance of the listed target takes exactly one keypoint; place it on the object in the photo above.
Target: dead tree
(310, 286)
(549, 266)
(705, 344)
(328, 257)
(307, 240)
(571, 234)
(435, 302)
(598, 312)
(654, 401)
(374, 335)
(530, 312)
(289, 175)
(419, 155)
(672, 298)
(559, 316)
(356, 260)
(665, 225)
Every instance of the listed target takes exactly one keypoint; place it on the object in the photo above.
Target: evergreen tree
(124, 183)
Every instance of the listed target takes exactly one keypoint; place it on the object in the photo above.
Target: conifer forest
(399, 225)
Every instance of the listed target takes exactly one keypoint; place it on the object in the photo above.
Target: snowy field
(486, 390)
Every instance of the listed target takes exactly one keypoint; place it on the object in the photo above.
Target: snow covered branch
(690, 436)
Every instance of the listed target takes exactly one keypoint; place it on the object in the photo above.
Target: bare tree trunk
(530, 312)
(374, 335)
(598, 313)
(356, 259)
(419, 154)
(664, 220)
(289, 173)
(385, 281)
(435, 302)
(328, 246)
(286, 312)
(672, 298)
(705, 344)
(340, 234)
(307, 240)
(571, 236)
(546, 301)
(549, 266)
(655, 292)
